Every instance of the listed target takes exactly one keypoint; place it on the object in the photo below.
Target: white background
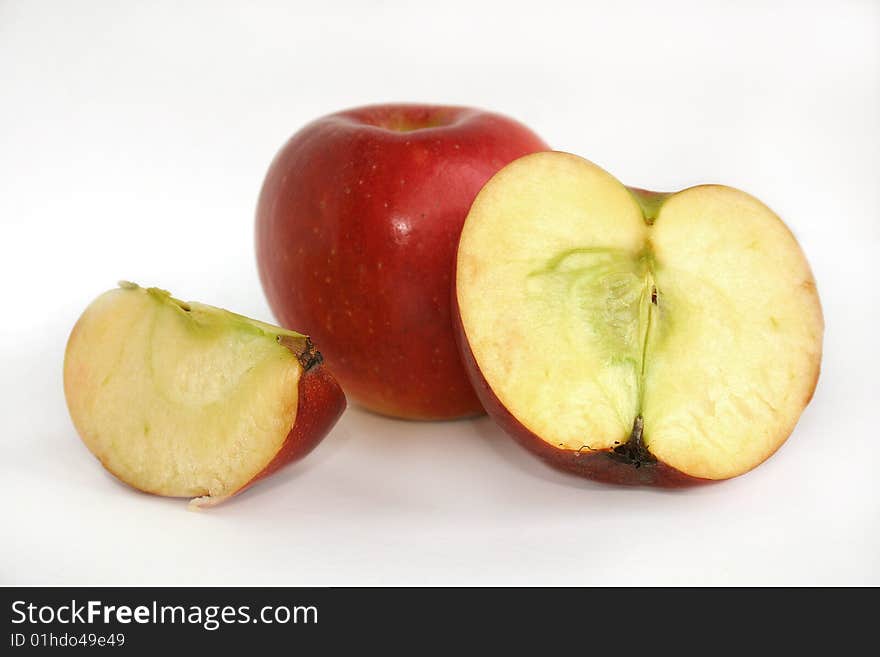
(133, 141)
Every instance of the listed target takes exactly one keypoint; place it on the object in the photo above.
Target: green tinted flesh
(613, 297)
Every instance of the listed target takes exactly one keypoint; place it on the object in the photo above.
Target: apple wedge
(635, 337)
(187, 400)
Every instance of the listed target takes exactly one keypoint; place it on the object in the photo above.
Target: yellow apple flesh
(635, 337)
(188, 400)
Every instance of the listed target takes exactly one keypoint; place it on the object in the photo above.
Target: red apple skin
(356, 229)
(598, 465)
(320, 403)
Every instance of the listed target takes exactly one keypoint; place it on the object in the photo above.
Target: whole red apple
(356, 229)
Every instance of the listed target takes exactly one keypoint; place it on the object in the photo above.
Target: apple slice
(188, 400)
(634, 337)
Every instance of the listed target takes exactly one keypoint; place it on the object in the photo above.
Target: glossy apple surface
(635, 337)
(356, 229)
(187, 400)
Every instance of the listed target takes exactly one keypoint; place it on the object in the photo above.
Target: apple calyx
(634, 452)
(303, 348)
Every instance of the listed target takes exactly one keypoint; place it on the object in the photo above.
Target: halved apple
(187, 400)
(635, 337)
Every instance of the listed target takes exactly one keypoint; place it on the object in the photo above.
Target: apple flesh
(635, 337)
(356, 229)
(187, 400)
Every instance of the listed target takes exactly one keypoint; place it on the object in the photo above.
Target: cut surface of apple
(630, 336)
(188, 400)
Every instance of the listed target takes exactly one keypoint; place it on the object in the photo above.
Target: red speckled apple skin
(320, 404)
(356, 231)
(598, 465)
